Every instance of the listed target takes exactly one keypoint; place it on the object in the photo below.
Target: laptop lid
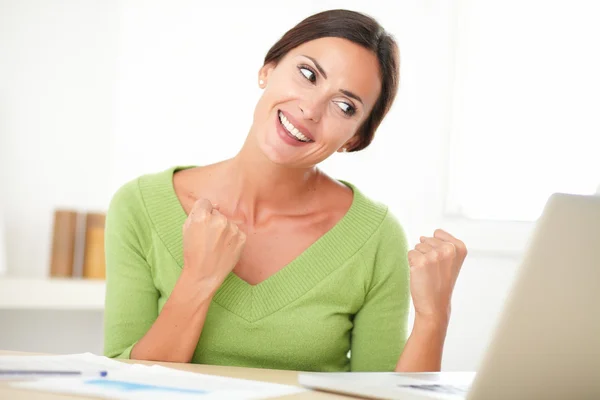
(547, 341)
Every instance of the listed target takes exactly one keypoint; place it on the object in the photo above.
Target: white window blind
(525, 108)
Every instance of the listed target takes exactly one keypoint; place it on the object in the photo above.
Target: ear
(349, 144)
(263, 74)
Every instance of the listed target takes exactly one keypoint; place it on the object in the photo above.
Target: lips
(294, 128)
(287, 137)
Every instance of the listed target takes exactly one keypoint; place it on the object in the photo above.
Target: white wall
(95, 93)
(57, 74)
(57, 80)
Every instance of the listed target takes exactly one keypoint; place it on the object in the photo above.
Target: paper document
(137, 381)
(33, 367)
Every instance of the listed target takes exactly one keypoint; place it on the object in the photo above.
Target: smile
(292, 130)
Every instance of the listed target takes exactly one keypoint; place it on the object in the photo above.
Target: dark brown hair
(362, 30)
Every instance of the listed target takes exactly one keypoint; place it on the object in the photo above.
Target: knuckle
(201, 207)
(449, 249)
(460, 246)
(415, 258)
(433, 256)
(200, 215)
(200, 203)
(437, 242)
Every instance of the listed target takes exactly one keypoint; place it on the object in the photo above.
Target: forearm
(174, 335)
(424, 348)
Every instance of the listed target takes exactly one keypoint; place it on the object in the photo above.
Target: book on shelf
(78, 245)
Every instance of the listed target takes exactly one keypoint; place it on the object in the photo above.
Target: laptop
(546, 343)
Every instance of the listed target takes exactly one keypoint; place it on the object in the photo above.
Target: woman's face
(314, 101)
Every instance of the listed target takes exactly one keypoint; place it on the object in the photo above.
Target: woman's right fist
(212, 245)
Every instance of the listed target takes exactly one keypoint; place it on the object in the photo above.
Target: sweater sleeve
(380, 326)
(131, 304)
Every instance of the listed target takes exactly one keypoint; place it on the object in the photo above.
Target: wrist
(196, 288)
(441, 316)
(198, 279)
(188, 301)
(424, 348)
(432, 323)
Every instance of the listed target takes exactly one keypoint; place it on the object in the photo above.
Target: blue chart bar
(134, 387)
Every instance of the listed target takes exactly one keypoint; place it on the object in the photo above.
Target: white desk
(265, 375)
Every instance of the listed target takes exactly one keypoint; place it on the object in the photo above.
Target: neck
(261, 188)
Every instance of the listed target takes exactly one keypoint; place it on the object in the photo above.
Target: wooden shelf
(51, 294)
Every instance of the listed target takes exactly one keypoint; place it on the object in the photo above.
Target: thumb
(201, 208)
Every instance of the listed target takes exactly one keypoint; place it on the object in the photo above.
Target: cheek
(280, 92)
(338, 130)
(264, 107)
(270, 99)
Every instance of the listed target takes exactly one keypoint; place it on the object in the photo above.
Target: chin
(276, 154)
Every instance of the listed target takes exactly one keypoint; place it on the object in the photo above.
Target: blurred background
(498, 108)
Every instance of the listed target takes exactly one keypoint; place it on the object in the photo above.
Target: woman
(262, 260)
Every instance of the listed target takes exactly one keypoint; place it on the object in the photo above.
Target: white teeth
(291, 128)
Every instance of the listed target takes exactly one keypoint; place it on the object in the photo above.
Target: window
(524, 112)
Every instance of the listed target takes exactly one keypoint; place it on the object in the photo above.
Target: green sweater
(341, 305)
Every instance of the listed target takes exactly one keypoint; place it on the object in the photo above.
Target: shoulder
(392, 230)
(377, 214)
(385, 252)
(126, 197)
(387, 237)
(129, 204)
(390, 238)
(139, 190)
(130, 193)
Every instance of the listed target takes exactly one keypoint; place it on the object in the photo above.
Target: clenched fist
(212, 245)
(434, 266)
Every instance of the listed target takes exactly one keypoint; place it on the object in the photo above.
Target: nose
(311, 110)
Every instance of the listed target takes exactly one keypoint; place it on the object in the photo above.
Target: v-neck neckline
(253, 302)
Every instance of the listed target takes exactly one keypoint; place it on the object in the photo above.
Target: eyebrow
(322, 71)
(352, 95)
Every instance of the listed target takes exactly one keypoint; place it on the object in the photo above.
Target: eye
(308, 73)
(346, 108)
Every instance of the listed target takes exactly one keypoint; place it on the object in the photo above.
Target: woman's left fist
(434, 266)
